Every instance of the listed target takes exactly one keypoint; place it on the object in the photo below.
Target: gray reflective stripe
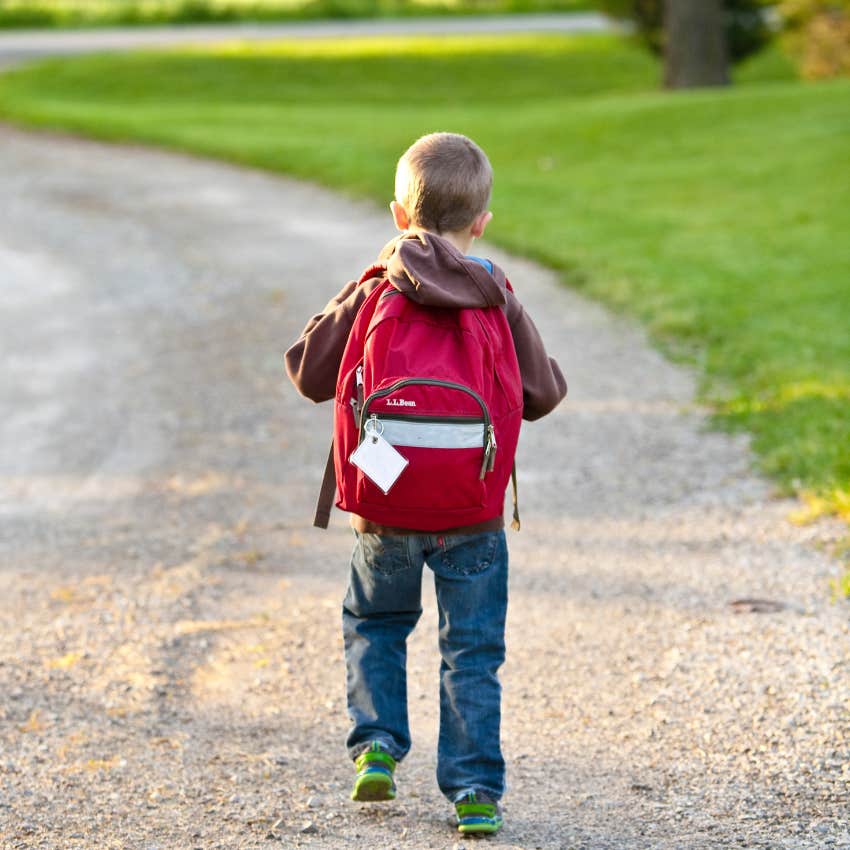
(434, 435)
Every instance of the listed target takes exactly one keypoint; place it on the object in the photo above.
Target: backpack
(443, 387)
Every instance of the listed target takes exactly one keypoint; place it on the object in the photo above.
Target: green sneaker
(374, 780)
(477, 813)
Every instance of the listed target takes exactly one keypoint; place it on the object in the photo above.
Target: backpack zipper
(417, 417)
(489, 447)
(357, 400)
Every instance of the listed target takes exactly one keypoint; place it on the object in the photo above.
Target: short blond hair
(443, 181)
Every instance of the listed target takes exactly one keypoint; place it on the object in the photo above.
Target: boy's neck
(462, 241)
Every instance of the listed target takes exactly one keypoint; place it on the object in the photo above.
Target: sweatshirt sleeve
(543, 384)
(312, 362)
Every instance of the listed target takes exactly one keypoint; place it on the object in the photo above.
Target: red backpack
(443, 387)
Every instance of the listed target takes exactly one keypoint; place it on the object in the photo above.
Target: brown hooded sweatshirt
(431, 271)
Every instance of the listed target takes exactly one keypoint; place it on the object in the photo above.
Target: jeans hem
(455, 796)
(358, 749)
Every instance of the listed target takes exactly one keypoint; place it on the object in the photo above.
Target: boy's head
(442, 185)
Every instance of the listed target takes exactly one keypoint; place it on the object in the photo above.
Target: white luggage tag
(378, 459)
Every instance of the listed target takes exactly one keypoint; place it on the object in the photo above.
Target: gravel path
(170, 656)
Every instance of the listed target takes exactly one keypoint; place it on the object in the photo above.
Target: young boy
(442, 191)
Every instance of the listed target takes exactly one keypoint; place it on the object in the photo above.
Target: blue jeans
(381, 608)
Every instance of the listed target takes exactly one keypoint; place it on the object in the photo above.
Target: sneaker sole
(485, 828)
(373, 789)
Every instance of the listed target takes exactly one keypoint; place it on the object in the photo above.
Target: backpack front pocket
(441, 478)
(449, 449)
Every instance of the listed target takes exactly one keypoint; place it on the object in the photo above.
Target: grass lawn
(65, 13)
(719, 218)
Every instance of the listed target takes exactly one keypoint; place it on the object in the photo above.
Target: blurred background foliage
(22, 13)
(746, 23)
(818, 35)
(815, 32)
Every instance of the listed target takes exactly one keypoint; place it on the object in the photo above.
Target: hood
(431, 271)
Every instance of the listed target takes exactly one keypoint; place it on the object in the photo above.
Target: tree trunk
(695, 52)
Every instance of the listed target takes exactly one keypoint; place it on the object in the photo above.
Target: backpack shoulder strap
(327, 491)
(375, 270)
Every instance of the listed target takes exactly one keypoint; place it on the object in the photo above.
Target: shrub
(819, 36)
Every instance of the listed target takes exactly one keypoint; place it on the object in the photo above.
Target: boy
(442, 191)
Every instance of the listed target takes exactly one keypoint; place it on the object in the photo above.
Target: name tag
(378, 460)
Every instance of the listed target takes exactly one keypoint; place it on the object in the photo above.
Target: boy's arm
(543, 384)
(312, 362)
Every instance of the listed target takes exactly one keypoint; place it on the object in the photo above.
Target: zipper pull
(491, 439)
(377, 428)
(357, 402)
(489, 461)
(358, 383)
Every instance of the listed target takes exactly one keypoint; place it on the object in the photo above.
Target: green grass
(77, 13)
(719, 218)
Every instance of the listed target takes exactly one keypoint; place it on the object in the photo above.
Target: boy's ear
(400, 216)
(480, 224)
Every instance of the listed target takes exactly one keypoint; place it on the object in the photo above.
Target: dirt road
(170, 656)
